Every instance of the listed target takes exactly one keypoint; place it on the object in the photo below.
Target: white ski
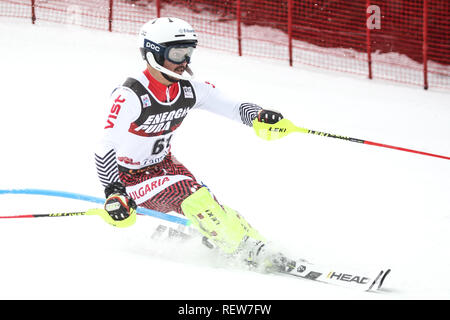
(344, 277)
(366, 281)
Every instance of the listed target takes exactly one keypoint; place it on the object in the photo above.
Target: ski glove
(270, 125)
(269, 116)
(120, 207)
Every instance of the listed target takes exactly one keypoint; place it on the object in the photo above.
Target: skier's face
(177, 68)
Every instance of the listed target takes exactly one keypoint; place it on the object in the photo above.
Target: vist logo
(115, 109)
(160, 123)
(150, 188)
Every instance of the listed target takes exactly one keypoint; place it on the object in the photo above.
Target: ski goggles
(177, 53)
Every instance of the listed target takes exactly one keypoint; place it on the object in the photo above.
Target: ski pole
(284, 127)
(91, 212)
(56, 214)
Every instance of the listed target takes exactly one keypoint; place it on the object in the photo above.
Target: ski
(369, 280)
(365, 281)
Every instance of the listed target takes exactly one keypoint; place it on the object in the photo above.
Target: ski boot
(262, 256)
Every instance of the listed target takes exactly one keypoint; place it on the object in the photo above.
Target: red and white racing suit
(135, 147)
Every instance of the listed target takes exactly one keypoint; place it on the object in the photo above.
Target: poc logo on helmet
(152, 46)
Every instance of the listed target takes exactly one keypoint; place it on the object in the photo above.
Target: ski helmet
(167, 38)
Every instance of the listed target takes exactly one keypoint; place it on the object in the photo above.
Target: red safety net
(406, 41)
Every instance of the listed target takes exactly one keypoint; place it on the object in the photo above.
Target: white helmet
(167, 38)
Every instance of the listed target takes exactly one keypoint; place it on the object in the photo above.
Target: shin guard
(222, 225)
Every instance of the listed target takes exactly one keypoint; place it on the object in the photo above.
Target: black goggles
(177, 53)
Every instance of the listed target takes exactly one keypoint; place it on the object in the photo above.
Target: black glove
(269, 116)
(118, 204)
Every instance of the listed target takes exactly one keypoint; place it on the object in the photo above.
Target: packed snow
(329, 201)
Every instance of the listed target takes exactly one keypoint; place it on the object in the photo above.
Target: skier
(134, 160)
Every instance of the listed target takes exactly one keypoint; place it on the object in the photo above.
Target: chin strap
(151, 61)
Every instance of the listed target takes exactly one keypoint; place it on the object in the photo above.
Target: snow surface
(326, 200)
